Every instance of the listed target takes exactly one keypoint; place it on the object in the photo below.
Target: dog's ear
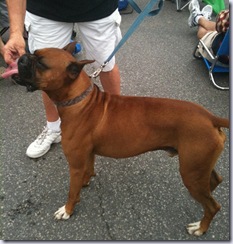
(75, 68)
(70, 48)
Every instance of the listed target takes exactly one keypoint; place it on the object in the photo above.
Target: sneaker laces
(40, 139)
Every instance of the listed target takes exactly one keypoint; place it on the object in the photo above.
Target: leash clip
(97, 72)
(142, 14)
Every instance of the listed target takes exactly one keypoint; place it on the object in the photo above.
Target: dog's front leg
(77, 168)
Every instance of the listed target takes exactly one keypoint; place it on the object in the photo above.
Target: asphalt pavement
(140, 198)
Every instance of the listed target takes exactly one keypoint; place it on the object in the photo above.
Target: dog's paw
(61, 213)
(194, 229)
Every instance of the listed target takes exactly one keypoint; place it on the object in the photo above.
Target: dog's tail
(221, 122)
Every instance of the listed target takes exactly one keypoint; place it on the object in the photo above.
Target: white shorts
(99, 38)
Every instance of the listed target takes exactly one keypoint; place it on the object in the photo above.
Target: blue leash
(142, 14)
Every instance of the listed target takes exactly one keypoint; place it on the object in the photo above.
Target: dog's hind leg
(200, 178)
(210, 206)
(198, 185)
(215, 180)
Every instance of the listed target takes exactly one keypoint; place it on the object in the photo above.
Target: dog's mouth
(26, 75)
(20, 81)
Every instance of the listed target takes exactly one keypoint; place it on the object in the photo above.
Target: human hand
(14, 48)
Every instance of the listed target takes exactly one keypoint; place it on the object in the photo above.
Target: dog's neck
(76, 92)
(76, 99)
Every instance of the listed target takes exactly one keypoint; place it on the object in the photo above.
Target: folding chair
(179, 6)
(214, 67)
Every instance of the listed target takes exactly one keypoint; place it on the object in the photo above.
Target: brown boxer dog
(95, 122)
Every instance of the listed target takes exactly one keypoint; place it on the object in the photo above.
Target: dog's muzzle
(26, 70)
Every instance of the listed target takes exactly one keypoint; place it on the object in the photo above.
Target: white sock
(198, 17)
(54, 126)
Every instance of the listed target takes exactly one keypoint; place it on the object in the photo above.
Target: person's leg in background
(110, 81)
(108, 32)
(196, 13)
(204, 26)
(58, 34)
(43, 33)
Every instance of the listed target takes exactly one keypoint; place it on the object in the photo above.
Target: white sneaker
(194, 9)
(194, 4)
(43, 143)
(207, 11)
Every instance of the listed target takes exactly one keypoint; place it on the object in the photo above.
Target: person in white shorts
(50, 24)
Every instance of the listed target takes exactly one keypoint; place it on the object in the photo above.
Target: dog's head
(49, 69)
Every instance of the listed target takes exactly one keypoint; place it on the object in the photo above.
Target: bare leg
(204, 26)
(50, 108)
(111, 81)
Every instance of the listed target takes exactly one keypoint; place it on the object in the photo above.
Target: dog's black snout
(24, 60)
(25, 67)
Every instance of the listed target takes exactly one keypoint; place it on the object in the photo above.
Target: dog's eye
(41, 65)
